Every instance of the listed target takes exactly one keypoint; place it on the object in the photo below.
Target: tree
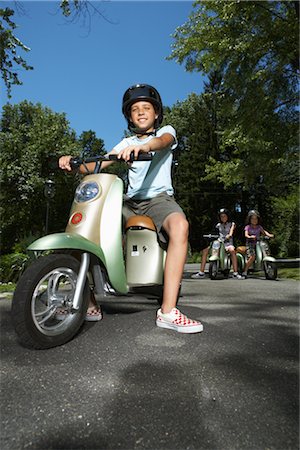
(254, 45)
(10, 46)
(90, 144)
(29, 135)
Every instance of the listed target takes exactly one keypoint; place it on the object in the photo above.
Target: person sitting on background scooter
(204, 249)
(253, 230)
(226, 229)
(150, 192)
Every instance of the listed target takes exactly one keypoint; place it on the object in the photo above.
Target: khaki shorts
(158, 208)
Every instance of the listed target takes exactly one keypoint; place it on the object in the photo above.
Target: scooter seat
(241, 249)
(136, 222)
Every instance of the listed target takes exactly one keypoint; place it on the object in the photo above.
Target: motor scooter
(89, 258)
(219, 260)
(263, 260)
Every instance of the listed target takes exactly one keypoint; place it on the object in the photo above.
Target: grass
(291, 274)
(7, 287)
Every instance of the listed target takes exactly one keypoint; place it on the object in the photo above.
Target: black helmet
(142, 92)
(224, 211)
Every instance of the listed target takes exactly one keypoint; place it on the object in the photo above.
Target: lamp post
(49, 191)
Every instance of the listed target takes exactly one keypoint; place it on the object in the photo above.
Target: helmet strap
(139, 132)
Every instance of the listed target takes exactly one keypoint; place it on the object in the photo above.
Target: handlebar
(78, 161)
(211, 236)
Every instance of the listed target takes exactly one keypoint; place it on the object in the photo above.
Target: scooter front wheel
(42, 311)
(270, 270)
(213, 270)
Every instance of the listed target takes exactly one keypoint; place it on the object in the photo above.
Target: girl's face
(143, 116)
(254, 220)
(223, 218)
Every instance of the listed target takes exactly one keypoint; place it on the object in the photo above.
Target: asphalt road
(123, 383)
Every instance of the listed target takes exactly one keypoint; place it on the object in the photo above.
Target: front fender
(269, 259)
(58, 241)
(213, 258)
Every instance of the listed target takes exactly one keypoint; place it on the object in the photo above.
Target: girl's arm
(231, 231)
(266, 233)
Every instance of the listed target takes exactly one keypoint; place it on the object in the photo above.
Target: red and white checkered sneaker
(177, 321)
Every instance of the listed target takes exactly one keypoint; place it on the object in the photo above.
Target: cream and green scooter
(89, 257)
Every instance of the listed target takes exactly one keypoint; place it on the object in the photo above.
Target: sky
(84, 71)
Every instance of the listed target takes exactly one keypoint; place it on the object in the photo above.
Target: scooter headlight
(86, 192)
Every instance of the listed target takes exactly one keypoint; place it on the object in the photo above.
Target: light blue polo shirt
(147, 179)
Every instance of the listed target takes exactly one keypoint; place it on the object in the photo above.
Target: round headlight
(86, 192)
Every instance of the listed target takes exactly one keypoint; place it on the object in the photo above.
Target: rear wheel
(213, 270)
(270, 270)
(42, 311)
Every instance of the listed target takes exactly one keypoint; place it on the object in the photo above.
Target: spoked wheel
(42, 311)
(270, 270)
(213, 270)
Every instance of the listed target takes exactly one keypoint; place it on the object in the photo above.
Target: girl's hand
(136, 149)
(64, 163)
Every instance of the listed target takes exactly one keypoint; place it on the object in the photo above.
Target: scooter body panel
(220, 255)
(144, 258)
(99, 224)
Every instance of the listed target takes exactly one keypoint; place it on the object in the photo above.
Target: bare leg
(249, 263)
(233, 260)
(204, 259)
(177, 228)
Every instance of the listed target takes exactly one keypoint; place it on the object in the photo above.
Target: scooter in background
(263, 261)
(219, 260)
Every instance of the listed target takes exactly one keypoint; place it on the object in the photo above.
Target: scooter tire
(213, 270)
(270, 270)
(28, 305)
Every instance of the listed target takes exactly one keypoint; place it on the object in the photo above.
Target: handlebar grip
(75, 163)
(141, 157)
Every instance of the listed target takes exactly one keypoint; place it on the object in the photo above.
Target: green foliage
(250, 53)
(291, 274)
(11, 266)
(91, 145)
(254, 46)
(10, 46)
(286, 225)
(29, 136)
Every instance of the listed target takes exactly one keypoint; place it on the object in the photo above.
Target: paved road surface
(125, 384)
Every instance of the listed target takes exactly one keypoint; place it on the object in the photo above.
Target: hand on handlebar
(126, 153)
(64, 163)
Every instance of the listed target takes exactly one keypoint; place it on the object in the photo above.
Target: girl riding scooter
(253, 230)
(226, 229)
